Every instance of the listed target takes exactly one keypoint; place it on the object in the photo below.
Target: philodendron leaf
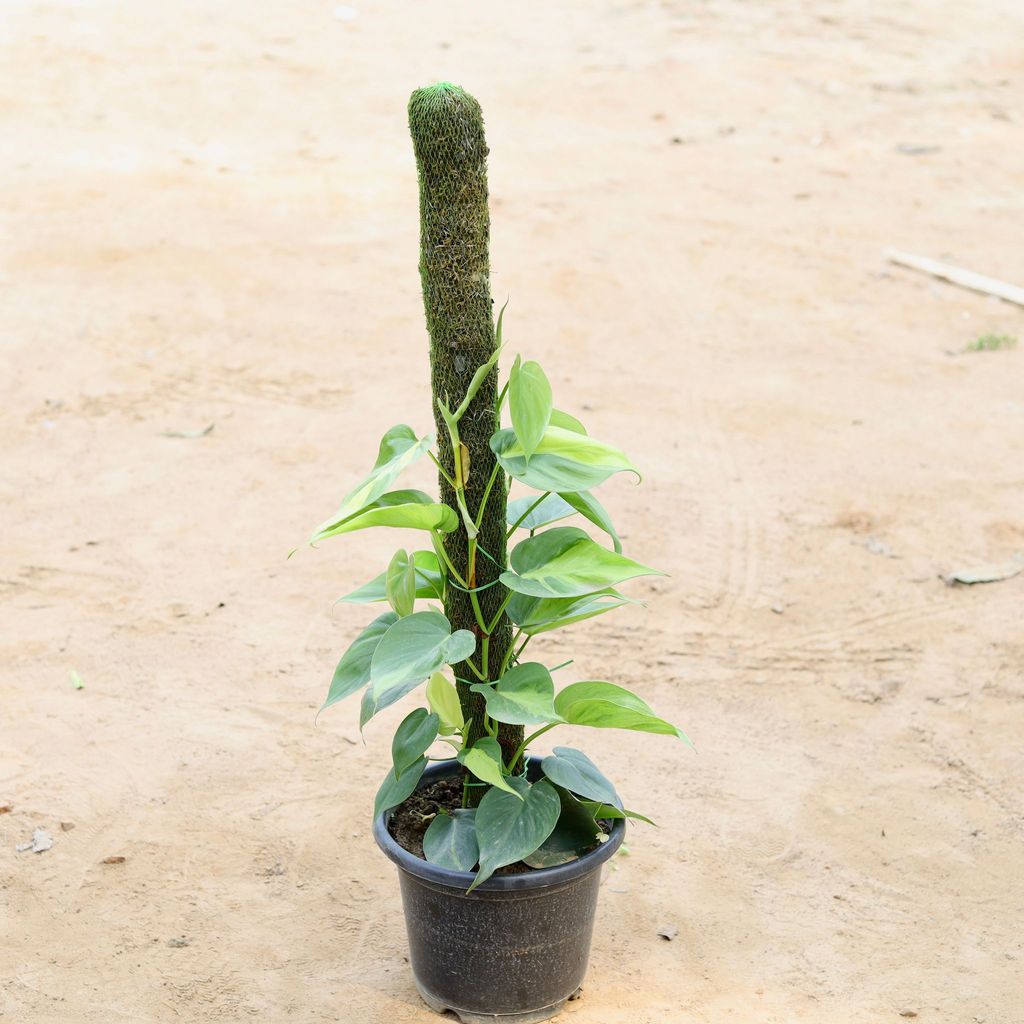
(443, 699)
(590, 508)
(429, 582)
(394, 790)
(412, 649)
(529, 401)
(450, 840)
(604, 705)
(577, 773)
(353, 670)
(575, 833)
(399, 448)
(410, 510)
(400, 583)
(550, 510)
(566, 422)
(535, 615)
(565, 562)
(417, 731)
(611, 812)
(524, 695)
(483, 759)
(510, 826)
(563, 460)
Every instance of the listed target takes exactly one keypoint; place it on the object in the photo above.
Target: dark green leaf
(353, 670)
(394, 790)
(522, 696)
(450, 840)
(412, 738)
(575, 834)
(577, 773)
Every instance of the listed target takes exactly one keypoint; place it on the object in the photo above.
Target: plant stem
(515, 526)
(529, 739)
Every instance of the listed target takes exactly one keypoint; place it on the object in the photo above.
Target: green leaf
(535, 615)
(394, 790)
(412, 649)
(450, 840)
(399, 448)
(565, 562)
(562, 461)
(566, 422)
(353, 670)
(443, 699)
(429, 582)
(483, 759)
(550, 510)
(611, 812)
(576, 772)
(400, 583)
(529, 402)
(575, 833)
(410, 510)
(590, 508)
(604, 705)
(522, 696)
(417, 731)
(510, 826)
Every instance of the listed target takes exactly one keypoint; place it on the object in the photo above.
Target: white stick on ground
(957, 275)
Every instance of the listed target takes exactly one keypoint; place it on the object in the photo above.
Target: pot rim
(537, 878)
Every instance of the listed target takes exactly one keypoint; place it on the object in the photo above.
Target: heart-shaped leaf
(410, 510)
(483, 760)
(450, 840)
(604, 705)
(562, 461)
(575, 833)
(400, 583)
(535, 615)
(443, 699)
(394, 790)
(566, 422)
(353, 670)
(590, 508)
(429, 582)
(412, 738)
(529, 515)
(510, 826)
(565, 562)
(577, 773)
(522, 696)
(529, 400)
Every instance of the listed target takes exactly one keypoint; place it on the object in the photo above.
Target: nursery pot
(515, 948)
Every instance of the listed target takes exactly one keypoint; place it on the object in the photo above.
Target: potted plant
(498, 847)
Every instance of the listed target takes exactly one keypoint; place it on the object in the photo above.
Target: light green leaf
(563, 460)
(529, 401)
(602, 705)
(399, 448)
(450, 840)
(590, 508)
(565, 562)
(575, 833)
(410, 510)
(535, 615)
(353, 670)
(400, 583)
(612, 813)
(429, 582)
(566, 422)
(510, 826)
(522, 696)
(483, 759)
(550, 510)
(394, 790)
(576, 772)
(412, 738)
(443, 699)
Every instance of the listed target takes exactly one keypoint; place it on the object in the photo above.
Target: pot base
(472, 1017)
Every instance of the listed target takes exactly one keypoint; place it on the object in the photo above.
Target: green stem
(529, 739)
(510, 652)
(441, 468)
(487, 494)
(501, 611)
(515, 526)
(448, 562)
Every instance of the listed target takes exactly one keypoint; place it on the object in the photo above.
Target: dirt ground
(210, 220)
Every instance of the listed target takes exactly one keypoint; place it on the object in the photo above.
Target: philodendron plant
(462, 611)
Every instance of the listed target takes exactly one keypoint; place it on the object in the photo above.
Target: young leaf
(611, 812)
(529, 400)
(394, 790)
(483, 759)
(450, 840)
(566, 422)
(577, 773)
(575, 833)
(590, 508)
(510, 826)
(411, 510)
(604, 705)
(563, 460)
(412, 738)
(535, 615)
(443, 699)
(550, 510)
(400, 583)
(429, 582)
(353, 670)
(565, 562)
(399, 448)
(524, 695)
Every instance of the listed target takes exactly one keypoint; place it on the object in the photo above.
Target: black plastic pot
(515, 948)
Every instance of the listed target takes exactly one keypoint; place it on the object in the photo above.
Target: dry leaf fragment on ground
(114, 859)
(188, 434)
(669, 932)
(179, 942)
(66, 826)
(992, 573)
(6, 808)
(41, 842)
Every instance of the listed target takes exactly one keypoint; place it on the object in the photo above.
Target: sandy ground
(210, 218)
